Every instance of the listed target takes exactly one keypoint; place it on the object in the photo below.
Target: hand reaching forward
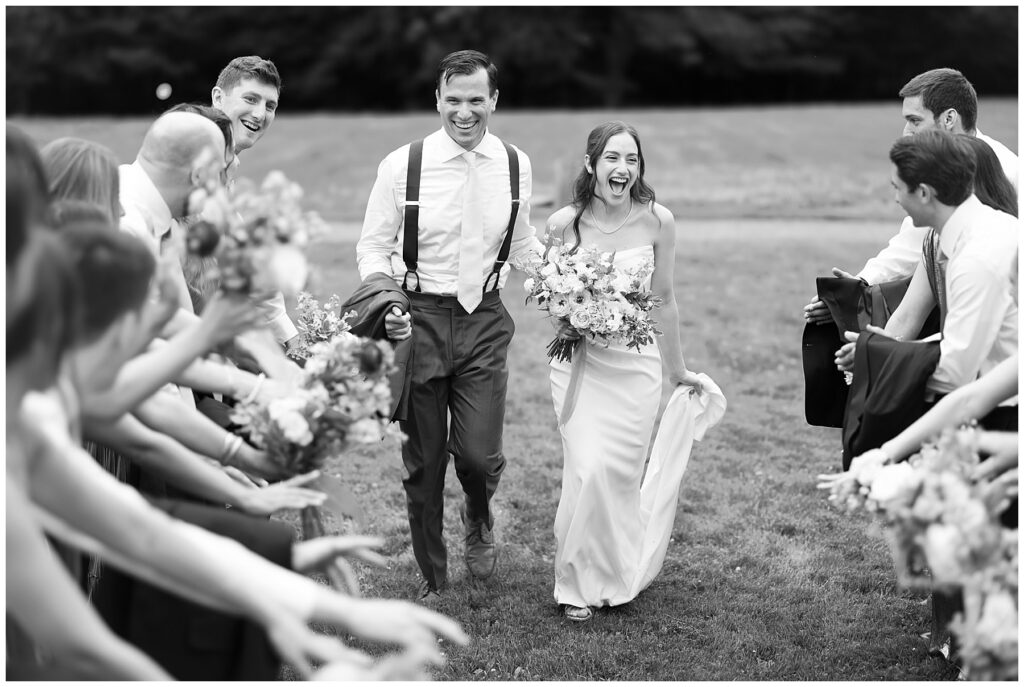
(403, 623)
(409, 665)
(313, 555)
(286, 495)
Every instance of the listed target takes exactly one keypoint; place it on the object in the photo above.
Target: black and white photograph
(512, 343)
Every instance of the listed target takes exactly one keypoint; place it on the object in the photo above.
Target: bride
(599, 529)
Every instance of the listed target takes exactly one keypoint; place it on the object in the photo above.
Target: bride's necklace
(621, 224)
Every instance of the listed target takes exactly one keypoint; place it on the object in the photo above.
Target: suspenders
(410, 248)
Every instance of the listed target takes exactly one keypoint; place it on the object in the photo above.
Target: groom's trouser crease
(459, 365)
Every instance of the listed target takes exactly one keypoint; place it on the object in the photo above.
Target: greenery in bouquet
(256, 233)
(586, 289)
(343, 398)
(317, 322)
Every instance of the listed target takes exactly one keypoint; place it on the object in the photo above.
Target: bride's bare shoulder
(560, 220)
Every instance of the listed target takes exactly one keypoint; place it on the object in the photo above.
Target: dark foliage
(79, 60)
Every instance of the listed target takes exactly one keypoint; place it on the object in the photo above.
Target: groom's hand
(397, 325)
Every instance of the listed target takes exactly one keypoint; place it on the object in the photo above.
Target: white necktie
(471, 250)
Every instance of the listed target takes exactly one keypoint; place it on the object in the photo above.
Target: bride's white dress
(611, 530)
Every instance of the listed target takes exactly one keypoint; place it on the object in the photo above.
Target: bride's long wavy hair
(585, 184)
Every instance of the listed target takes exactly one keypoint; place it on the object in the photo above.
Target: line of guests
(958, 247)
(122, 560)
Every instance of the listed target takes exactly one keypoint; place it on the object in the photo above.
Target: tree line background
(108, 60)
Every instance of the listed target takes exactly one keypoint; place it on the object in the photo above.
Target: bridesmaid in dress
(598, 527)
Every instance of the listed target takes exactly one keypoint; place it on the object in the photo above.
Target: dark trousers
(191, 641)
(457, 407)
(946, 604)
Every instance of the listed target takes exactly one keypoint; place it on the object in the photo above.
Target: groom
(444, 216)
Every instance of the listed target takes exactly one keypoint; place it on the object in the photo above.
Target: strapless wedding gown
(612, 531)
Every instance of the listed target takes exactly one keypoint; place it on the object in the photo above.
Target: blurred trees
(108, 59)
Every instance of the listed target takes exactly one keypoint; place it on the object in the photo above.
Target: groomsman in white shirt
(248, 90)
(974, 282)
(446, 245)
(937, 99)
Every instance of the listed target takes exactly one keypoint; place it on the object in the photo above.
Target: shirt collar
(139, 190)
(488, 147)
(954, 228)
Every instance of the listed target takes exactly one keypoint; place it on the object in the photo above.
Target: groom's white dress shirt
(442, 183)
(900, 257)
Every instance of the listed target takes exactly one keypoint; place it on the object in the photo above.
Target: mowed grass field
(764, 580)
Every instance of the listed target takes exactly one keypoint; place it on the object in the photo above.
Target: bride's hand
(687, 378)
(564, 330)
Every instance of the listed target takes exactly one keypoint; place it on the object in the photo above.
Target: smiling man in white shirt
(444, 234)
(937, 99)
(248, 90)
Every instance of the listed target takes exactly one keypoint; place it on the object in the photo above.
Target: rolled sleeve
(276, 318)
(899, 258)
(524, 235)
(380, 225)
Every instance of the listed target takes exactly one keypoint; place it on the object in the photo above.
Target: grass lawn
(763, 580)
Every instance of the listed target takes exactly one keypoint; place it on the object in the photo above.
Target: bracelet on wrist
(255, 389)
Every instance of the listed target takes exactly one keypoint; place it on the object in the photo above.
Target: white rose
(893, 482)
(295, 428)
(529, 283)
(941, 543)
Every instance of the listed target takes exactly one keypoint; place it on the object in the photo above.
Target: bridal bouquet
(583, 287)
(944, 531)
(317, 323)
(256, 233)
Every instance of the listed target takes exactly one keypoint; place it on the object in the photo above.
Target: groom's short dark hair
(465, 63)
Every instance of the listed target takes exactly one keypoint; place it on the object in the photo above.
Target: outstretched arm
(192, 473)
(213, 570)
(49, 607)
(224, 317)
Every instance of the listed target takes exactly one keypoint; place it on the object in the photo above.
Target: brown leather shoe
(481, 552)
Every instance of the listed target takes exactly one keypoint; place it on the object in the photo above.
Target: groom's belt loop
(410, 244)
